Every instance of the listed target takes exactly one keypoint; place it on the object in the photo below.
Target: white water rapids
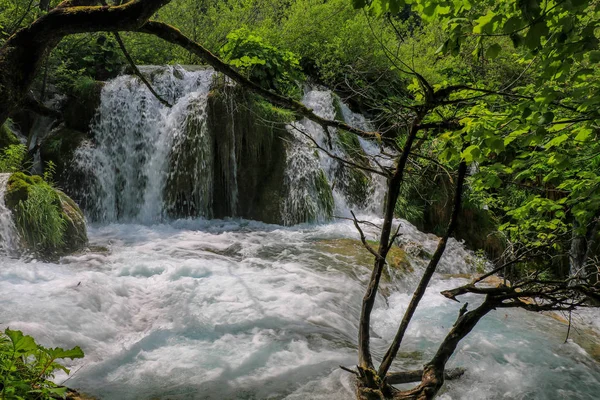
(243, 310)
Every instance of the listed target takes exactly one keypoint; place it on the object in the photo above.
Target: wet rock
(80, 107)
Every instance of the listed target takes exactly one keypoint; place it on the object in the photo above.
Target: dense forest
(299, 199)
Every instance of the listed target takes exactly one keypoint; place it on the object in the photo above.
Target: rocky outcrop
(243, 140)
(49, 223)
(81, 104)
(59, 148)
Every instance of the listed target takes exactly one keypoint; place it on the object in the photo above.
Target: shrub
(264, 64)
(12, 157)
(26, 367)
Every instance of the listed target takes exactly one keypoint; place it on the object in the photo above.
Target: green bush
(26, 367)
(264, 64)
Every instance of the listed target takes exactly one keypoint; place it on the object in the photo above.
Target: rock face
(58, 147)
(81, 105)
(49, 223)
(220, 151)
(244, 141)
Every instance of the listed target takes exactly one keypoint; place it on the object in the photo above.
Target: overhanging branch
(173, 35)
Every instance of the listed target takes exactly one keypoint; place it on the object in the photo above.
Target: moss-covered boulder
(354, 251)
(231, 160)
(7, 137)
(49, 223)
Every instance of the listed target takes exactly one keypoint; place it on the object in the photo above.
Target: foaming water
(234, 309)
(8, 233)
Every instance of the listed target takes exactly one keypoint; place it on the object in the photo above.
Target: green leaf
(471, 153)
(493, 51)
(583, 134)
(512, 24)
(21, 343)
(557, 141)
(73, 353)
(546, 118)
(535, 35)
(595, 56)
(485, 23)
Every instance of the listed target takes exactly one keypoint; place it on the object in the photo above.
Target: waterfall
(148, 162)
(8, 233)
(309, 173)
(134, 135)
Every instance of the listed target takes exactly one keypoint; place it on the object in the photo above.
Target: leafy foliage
(265, 64)
(12, 157)
(27, 367)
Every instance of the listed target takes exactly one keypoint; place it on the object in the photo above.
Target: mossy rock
(18, 189)
(75, 236)
(70, 218)
(239, 123)
(7, 137)
(354, 248)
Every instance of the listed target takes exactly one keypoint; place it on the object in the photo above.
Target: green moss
(7, 136)
(358, 186)
(18, 188)
(269, 113)
(59, 147)
(337, 105)
(356, 251)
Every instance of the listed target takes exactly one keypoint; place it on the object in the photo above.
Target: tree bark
(427, 275)
(364, 353)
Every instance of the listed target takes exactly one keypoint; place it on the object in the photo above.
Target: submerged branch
(398, 378)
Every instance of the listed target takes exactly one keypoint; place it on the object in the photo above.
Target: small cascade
(318, 184)
(8, 232)
(134, 135)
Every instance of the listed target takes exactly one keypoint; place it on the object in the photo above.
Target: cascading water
(8, 233)
(149, 160)
(134, 135)
(311, 175)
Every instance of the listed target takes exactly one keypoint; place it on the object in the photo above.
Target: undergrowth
(40, 220)
(27, 367)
